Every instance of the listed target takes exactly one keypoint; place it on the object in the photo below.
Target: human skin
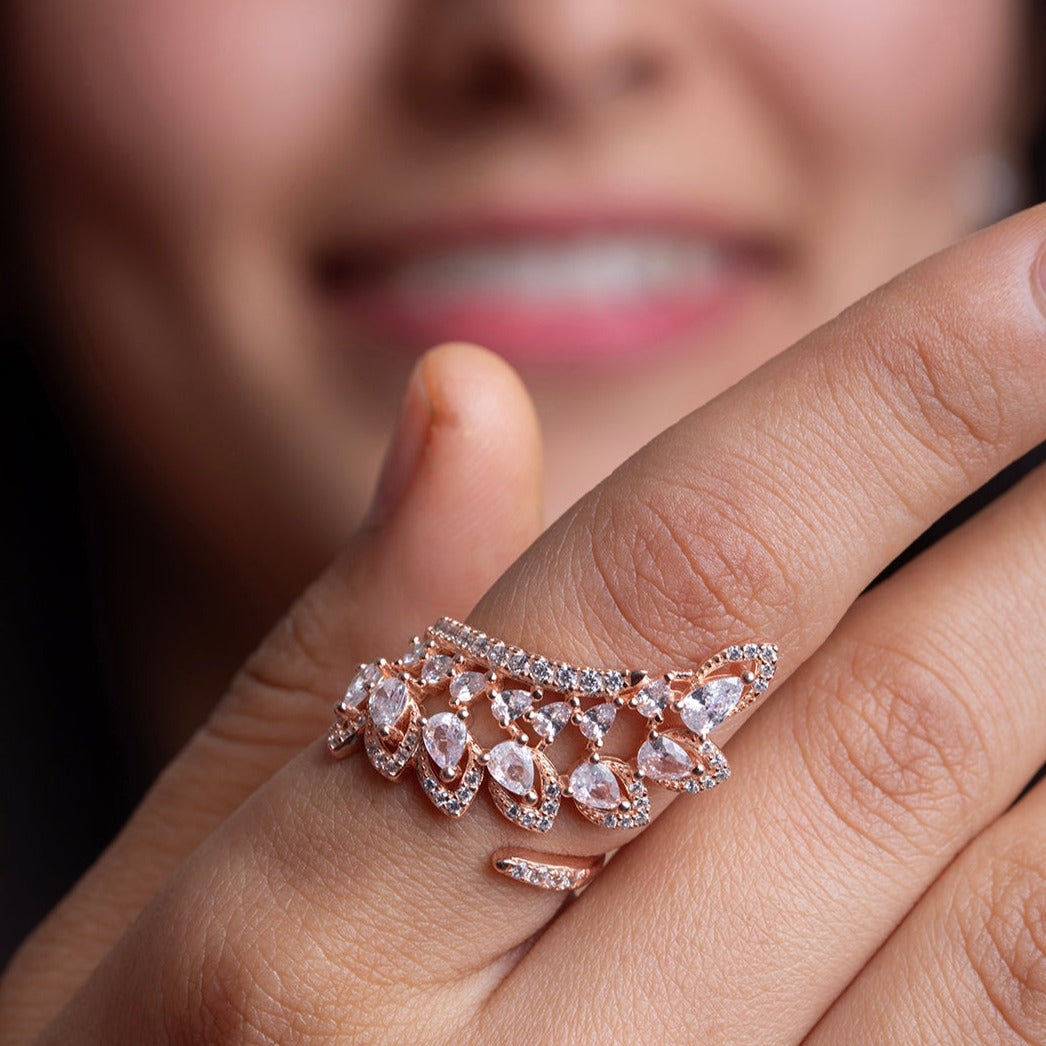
(860, 877)
(249, 406)
(188, 163)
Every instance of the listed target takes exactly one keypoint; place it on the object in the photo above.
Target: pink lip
(540, 333)
(560, 334)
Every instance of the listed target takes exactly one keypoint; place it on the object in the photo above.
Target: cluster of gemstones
(533, 700)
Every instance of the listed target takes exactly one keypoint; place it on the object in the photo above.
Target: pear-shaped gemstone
(550, 719)
(509, 705)
(653, 699)
(512, 766)
(696, 716)
(597, 721)
(705, 707)
(663, 759)
(360, 686)
(435, 669)
(415, 652)
(387, 702)
(444, 736)
(595, 786)
(467, 685)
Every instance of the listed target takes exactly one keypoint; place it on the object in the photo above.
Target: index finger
(764, 513)
(772, 507)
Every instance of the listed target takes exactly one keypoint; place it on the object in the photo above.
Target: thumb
(458, 500)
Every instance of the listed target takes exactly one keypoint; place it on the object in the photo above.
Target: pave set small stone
(545, 874)
(530, 695)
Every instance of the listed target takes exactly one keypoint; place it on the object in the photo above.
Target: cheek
(923, 80)
(245, 91)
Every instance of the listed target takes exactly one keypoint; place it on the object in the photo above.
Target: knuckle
(898, 755)
(275, 697)
(294, 657)
(1002, 927)
(264, 952)
(236, 981)
(939, 374)
(185, 960)
(225, 1008)
(672, 562)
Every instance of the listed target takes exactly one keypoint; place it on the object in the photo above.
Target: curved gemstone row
(472, 643)
(559, 675)
(527, 692)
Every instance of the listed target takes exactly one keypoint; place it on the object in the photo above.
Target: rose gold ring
(537, 701)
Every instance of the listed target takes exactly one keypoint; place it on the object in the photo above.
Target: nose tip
(483, 55)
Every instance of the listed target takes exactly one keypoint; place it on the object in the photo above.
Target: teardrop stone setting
(387, 702)
(512, 766)
(445, 736)
(595, 786)
(663, 759)
(706, 706)
(465, 686)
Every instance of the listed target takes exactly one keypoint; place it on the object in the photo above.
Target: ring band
(533, 700)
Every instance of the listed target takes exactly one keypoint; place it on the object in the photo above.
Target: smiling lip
(548, 290)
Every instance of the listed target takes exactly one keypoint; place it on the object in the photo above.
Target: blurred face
(253, 215)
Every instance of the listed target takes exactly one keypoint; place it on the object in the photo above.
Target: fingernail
(405, 451)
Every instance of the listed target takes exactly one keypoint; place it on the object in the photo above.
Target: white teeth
(591, 269)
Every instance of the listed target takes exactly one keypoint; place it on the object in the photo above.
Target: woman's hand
(860, 877)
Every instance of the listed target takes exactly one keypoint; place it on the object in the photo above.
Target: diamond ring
(534, 703)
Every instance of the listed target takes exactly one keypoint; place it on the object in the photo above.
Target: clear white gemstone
(467, 685)
(387, 702)
(517, 663)
(613, 681)
(541, 670)
(357, 690)
(566, 677)
(708, 705)
(590, 681)
(512, 766)
(597, 721)
(550, 719)
(414, 654)
(664, 760)
(445, 735)
(510, 704)
(696, 716)
(594, 785)
(435, 669)
(653, 699)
